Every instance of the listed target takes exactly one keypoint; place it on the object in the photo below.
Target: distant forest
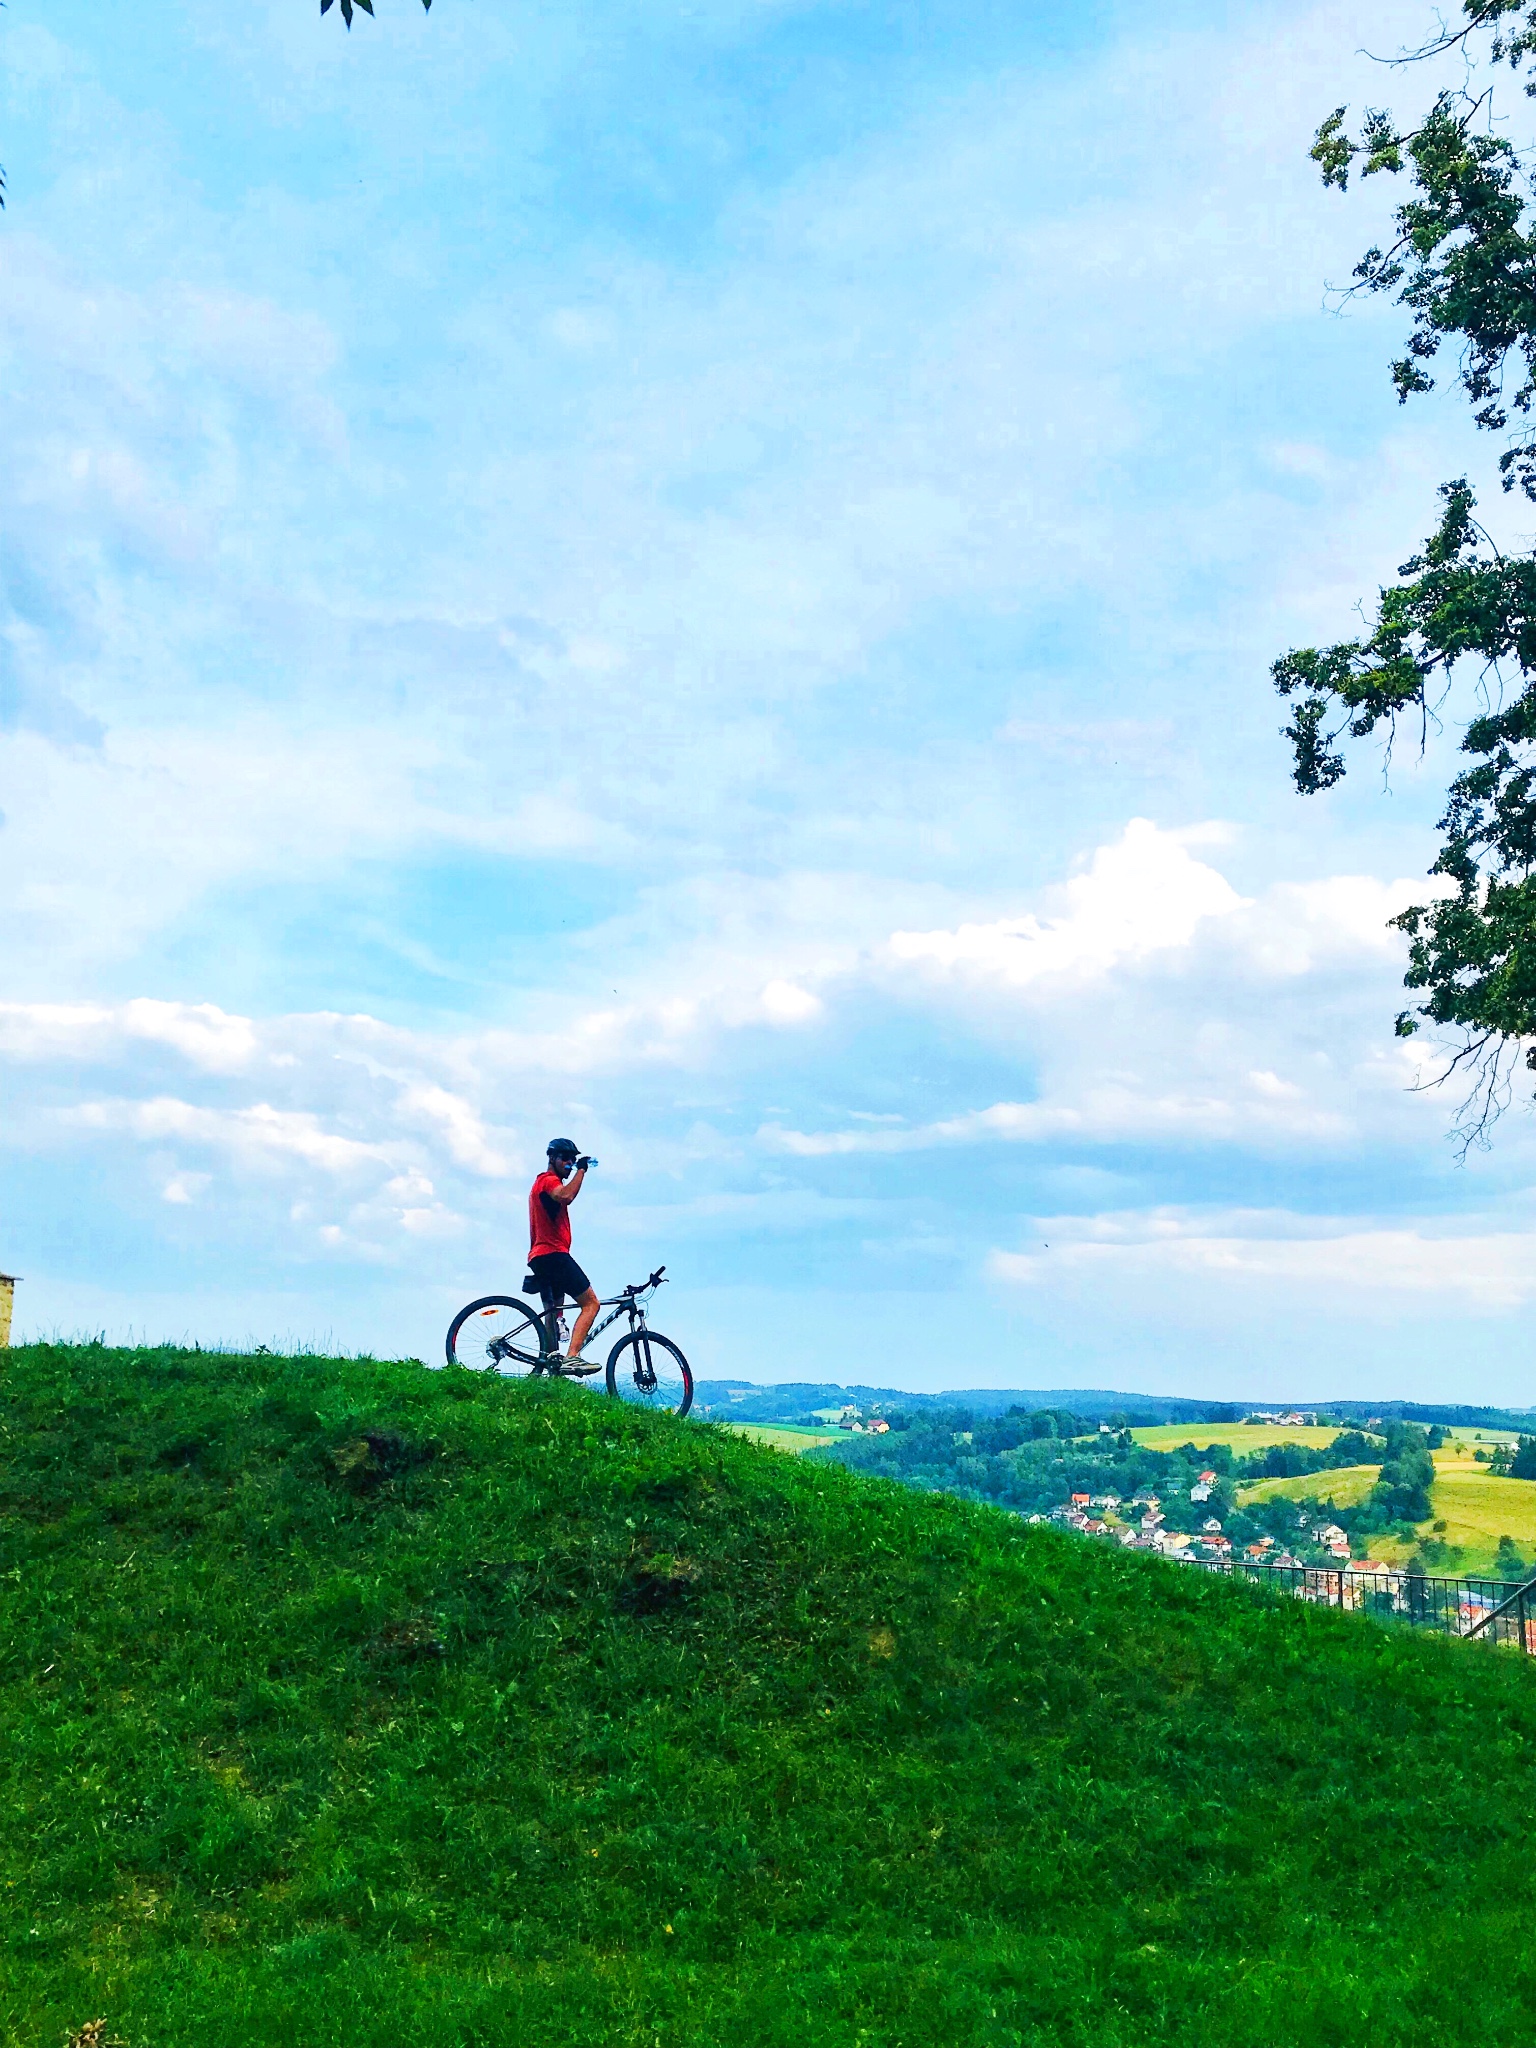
(797, 1401)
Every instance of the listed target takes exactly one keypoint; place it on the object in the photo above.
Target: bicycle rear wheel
(497, 1333)
(650, 1372)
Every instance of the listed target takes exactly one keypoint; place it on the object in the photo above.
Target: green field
(1477, 1510)
(1346, 1487)
(348, 1705)
(1474, 1504)
(1240, 1437)
(1476, 1507)
(783, 1436)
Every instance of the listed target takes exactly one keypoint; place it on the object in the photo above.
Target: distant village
(1052, 1467)
(1140, 1523)
(852, 1420)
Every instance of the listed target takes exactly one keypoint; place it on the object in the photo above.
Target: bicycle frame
(632, 1302)
(532, 1342)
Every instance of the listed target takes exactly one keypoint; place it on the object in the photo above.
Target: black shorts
(558, 1273)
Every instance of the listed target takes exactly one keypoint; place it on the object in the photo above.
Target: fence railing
(1489, 1610)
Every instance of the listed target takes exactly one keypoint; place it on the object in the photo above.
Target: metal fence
(1490, 1610)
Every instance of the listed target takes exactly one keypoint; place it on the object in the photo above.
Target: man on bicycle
(549, 1255)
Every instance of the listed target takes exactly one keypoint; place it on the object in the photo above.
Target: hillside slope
(352, 1703)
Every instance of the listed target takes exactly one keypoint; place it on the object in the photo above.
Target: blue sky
(704, 579)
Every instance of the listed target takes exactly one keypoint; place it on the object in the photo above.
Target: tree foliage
(1463, 264)
(1407, 1475)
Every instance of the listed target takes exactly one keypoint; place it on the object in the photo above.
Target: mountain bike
(500, 1333)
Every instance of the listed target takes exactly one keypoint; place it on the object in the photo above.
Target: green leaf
(1333, 149)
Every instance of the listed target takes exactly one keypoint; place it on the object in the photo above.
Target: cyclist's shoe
(579, 1368)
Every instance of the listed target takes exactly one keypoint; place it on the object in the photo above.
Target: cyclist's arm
(569, 1190)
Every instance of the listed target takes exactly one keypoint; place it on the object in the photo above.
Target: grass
(1241, 1437)
(1477, 1510)
(1476, 1507)
(1346, 1486)
(348, 1703)
(782, 1436)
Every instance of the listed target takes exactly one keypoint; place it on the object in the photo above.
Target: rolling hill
(1346, 1486)
(746, 1401)
(1471, 1508)
(346, 1702)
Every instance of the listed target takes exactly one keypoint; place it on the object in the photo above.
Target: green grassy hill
(345, 1703)
(1240, 1438)
(1470, 1509)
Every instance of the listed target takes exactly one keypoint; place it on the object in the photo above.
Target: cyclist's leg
(553, 1301)
(588, 1304)
(574, 1282)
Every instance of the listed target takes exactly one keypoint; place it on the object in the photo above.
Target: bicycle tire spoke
(647, 1370)
(496, 1334)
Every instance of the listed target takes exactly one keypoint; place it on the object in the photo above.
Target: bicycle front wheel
(497, 1333)
(651, 1372)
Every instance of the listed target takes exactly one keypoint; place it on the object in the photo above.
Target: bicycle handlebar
(640, 1287)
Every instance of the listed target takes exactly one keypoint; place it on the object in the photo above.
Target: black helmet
(561, 1148)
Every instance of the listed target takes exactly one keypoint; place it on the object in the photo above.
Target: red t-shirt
(547, 1232)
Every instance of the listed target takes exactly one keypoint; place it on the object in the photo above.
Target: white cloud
(411, 1200)
(1146, 999)
(259, 1133)
(463, 1130)
(1142, 895)
(1181, 1059)
(1332, 1258)
(1109, 1112)
(786, 1004)
(1297, 927)
(206, 1036)
(46, 1031)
